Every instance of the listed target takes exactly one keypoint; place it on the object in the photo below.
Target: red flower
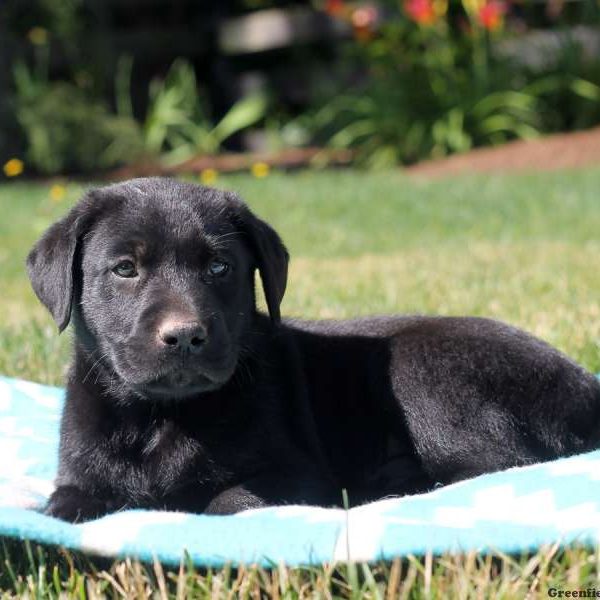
(420, 11)
(491, 14)
(335, 7)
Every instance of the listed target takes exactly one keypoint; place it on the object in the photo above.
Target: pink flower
(364, 20)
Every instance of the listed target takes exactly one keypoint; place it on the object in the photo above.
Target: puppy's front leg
(72, 504)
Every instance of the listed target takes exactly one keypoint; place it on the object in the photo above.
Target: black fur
(182, 396)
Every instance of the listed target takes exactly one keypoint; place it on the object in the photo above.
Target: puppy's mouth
(182, 380)
(181, 384)
(177, 386)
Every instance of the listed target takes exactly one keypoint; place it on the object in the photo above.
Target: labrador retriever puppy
(182, 396)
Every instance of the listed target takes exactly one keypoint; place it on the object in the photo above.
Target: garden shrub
(66, 131)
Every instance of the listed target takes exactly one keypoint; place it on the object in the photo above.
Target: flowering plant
(434, 82)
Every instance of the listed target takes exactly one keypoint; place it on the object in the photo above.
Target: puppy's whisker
(221, 242)
(96, 363)
(227, 235)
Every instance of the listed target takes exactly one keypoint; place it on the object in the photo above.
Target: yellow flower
(13, 167)
(440, 7)
(208, 176)
(260, 169)
(38, 36)
(472, 7)
(57, 192)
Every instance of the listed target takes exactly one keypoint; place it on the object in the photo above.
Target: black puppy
(182, 396)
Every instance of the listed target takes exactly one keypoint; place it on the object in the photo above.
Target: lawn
(518, 248)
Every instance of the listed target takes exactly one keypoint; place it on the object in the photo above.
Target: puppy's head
(158, 276)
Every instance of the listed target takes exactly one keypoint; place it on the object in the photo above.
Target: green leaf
(242, 114)
(585, 89)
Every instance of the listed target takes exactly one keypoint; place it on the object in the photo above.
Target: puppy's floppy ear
(51, 262)
(271, 255)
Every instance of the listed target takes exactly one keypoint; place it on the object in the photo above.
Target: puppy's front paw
(72, 504)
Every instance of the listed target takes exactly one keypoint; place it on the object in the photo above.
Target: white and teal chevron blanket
(516, 510)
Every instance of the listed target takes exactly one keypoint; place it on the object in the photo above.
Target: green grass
(519, 248)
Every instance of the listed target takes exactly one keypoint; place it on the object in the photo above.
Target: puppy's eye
(125, 269)
(217, 268)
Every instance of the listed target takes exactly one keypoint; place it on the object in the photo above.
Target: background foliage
(396, 81)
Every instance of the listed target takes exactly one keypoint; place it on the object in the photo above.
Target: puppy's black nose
(184, 336)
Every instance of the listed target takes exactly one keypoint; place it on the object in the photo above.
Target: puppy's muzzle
(182, 336)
